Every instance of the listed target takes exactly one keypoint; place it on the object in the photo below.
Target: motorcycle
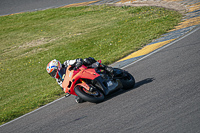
(92, 84)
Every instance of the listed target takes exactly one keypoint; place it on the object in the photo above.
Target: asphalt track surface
(16, 6)
(165, 99)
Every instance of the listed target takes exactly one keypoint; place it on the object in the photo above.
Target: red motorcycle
(92, 84)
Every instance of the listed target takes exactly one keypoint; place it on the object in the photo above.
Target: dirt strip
(166, 4)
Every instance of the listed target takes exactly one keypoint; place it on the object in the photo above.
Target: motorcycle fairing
(71, 77)
(84, 85)
(102, 84)
(67, 80)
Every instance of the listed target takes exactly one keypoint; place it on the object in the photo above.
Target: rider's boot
(79, 100)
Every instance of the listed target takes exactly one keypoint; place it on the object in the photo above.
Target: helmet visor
(53, 73)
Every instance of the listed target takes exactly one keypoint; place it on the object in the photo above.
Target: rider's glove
(71, 68)
(75, 68)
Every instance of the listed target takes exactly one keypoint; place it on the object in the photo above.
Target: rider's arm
(74, 63)
(89, 61)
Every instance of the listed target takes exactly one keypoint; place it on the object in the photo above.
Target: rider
(55, 66)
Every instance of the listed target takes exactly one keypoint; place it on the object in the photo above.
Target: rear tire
(94, 97)
(128, 82)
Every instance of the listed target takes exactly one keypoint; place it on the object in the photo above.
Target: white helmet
(54, 67)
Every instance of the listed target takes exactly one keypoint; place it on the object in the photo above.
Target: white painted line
(31, 112)
(161, 48)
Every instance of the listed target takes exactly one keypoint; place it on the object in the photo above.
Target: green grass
(28, 41)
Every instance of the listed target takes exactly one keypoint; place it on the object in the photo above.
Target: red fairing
(71, 78)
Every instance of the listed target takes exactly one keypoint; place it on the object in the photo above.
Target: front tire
(95, 97)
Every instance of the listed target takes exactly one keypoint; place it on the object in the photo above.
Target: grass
(30, 40)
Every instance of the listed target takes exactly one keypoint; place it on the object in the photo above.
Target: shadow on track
(142, 82)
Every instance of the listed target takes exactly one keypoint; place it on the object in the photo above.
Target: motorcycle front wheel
(95, 97)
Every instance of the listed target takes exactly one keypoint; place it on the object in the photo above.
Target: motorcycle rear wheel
(95, 97)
